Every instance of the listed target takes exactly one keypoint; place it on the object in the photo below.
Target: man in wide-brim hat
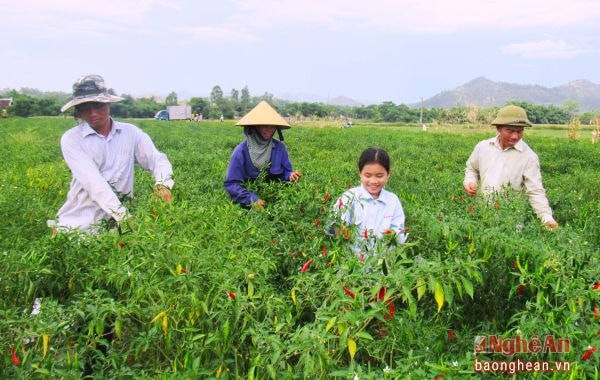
(507, 160)
(101, 153)
(260, 152)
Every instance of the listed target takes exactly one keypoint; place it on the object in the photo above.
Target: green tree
(234, 98)
(245, 100)
(216, 95)
(199, 105)
(571, 107)
(171, 99)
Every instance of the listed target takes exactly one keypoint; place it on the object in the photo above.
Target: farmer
(507, 160)
(258, 153)
(101, 152)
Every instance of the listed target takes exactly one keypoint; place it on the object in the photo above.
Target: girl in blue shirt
(374, 210)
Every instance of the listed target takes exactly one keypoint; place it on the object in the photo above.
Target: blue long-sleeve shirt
(241, 169)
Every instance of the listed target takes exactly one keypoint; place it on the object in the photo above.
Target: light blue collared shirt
(375, 216)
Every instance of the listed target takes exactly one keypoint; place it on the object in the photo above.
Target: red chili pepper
(596, 312)
(324, 250)
(440, 376)
(441, 218)
(361, 257)
(326, 197)
(348, 291)
(183, 270)
(316, 223)
(451, 334)
(520, 289)
(121, 245)
(380, 294)
(514, 265)
(153, 213)
(346, 233)
(387, 231)
(497, 205)
(405, 229)
(306, 266)
(231, 295)
(340, 203)
(366, 234)
(391, 311)
(14, 357)
(596, 286)
(454, 198)
(588, 353)
(273, 241)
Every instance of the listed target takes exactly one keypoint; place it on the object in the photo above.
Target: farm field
(204, 289)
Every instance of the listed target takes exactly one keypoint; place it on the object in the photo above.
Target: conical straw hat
(263, 114)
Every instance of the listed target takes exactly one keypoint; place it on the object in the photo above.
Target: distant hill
(312, 98)
(485, 93)
(343, 101)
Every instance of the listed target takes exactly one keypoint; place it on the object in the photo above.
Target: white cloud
(410, 16)
(545, 49)
(73, 18)
(207, 33)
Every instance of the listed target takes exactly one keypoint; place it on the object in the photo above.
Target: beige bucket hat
(263, 114)
(90, 88)
(512, 116)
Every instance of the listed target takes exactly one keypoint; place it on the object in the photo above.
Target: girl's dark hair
(374, 156)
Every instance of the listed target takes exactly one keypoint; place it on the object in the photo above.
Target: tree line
(32, 102)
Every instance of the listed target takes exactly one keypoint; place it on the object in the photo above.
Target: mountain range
(483, 92)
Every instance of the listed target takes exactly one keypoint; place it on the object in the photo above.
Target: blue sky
(371, 51)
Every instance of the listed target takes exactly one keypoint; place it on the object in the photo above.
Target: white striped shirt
(102, 169)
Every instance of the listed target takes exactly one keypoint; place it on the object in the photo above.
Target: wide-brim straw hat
(263, 114)
(90, 88)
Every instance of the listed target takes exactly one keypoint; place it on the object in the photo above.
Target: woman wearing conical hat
(257, 153)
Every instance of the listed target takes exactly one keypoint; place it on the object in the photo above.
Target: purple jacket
(241, 169)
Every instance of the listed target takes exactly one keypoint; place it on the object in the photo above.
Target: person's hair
(374, 156)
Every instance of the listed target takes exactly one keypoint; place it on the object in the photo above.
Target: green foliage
(203, 288)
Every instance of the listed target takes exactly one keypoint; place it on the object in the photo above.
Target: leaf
(159, 315)
(439, 295)
(468, 286)
(293, 293)
(250, 289)
(421, 288)
(330, 323)
(165, 324)
(351, 347)
(364, 334)
(45, 343)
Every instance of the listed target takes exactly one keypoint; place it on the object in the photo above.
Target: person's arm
(149, 158)
(85, 172)
(236, 175)
(289, 174)
(472, 173)
(534, 189)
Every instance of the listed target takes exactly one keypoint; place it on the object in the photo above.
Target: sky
(371, 51)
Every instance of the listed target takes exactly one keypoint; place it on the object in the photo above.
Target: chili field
(201, 288)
